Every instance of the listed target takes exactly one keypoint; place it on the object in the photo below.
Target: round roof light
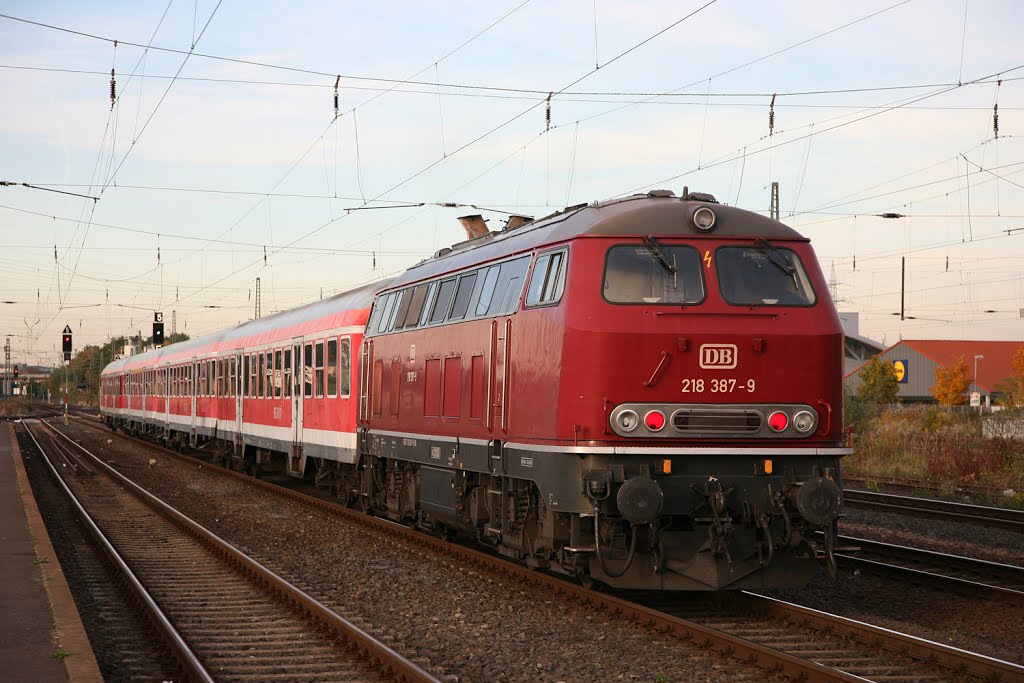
(803, 421)
(654, 420)
(703, 218)
(628, 420)
(778, 421)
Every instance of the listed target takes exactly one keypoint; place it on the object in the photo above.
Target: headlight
(703, 218)
(803, 421)
(628, 420)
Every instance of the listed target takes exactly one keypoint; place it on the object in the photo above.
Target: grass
(927, 442)
(61, 654)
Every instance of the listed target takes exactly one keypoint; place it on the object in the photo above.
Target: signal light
(66, 341)
(15, 372)
(654, 420)
(778, 421)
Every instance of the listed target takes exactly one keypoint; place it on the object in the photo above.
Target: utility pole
(257, 299)
(174, 323)
(7, 368)
(773, 210)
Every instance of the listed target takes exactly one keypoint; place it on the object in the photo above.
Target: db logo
(718, 356)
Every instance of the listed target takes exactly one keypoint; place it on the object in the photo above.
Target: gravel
(469, 624)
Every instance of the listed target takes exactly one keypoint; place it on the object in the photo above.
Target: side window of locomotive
(414, 308)
(428, 304)
(548, 279)
(332, 367)
(462, 295)
(642, 274)
(387, 308)
(345, 368)
(307, 371)
(375, 314)
(763, 276)
(509, 286)
(487, 291)
(442, 301)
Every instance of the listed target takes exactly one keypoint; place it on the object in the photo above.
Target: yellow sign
(707, 258)
(900, 366)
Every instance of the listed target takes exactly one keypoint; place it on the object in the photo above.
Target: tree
(878, 382)
(951, 383)
(1013, 387)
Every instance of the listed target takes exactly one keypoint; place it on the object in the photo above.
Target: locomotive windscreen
(655, 274)
(763, 276)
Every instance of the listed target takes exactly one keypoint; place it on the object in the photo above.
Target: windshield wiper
(660, 254)
(780, 261)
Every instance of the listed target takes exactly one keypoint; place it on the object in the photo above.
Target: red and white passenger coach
(645, 392)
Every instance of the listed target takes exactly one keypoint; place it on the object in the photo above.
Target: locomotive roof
(261, 330)
(657, 213)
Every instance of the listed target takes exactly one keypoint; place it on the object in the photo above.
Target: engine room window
(653, 273)
(763, 275)
(509, 286)
(462, 296)
(442, 301)
(548, 279)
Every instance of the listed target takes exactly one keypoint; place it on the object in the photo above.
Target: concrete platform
(41, 635)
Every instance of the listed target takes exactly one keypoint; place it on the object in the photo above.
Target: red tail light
(654, 420)
(778, 421)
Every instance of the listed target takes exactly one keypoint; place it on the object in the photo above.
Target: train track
(982, 578)
(926, 507)
(919, 485)
(778, 637)
(222, 614)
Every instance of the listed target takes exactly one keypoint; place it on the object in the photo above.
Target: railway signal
(158, 329)
(66, 342)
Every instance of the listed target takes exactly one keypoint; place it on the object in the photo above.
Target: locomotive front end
(719, 370)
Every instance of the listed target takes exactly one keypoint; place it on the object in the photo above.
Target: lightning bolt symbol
(707, 258)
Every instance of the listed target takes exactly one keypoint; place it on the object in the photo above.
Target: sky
(222, 159)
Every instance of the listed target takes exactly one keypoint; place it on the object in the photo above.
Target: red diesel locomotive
(644, 392)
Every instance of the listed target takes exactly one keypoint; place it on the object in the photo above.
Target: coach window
(763, 275)
(288, 372)
(442, 302)
(261, 374)
(345, 367)
(307, 370)
(245, 375)
(463, 293)
(270, 375)
(319, 377)
(653, 273)
(232, 379)
(332, 367)
(278, 373)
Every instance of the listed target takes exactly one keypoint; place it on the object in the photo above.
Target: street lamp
(977, 386)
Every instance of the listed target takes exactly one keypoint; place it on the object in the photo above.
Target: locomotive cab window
(653, 273)
(763, 275)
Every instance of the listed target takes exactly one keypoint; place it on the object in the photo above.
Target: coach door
(497, 415)
(236, 384)
(193, 385)
(297, 374)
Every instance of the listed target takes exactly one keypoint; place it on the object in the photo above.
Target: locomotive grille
(716, 421)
